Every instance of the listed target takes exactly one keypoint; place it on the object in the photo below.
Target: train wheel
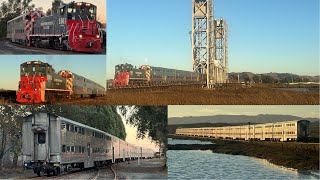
(48, 173)
(38, 172)
(55, 171)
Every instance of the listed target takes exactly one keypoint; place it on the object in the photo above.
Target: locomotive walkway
(7, 47)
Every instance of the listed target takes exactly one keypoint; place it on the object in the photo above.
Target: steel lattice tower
(221, 54)
(204, 59)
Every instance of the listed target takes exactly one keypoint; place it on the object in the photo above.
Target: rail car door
(113, 154)
(40, 148)
(89, 159)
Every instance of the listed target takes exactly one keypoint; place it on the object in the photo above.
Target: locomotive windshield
(82, 11)
(35, 69)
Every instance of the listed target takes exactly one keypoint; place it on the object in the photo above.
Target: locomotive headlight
(80, 36)
(88, 4)
(98, 36)
(79, 4)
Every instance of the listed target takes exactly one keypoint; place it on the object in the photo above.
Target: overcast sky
(199, 110)
(132, 137)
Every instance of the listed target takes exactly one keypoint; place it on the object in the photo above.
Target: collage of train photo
(134, 89)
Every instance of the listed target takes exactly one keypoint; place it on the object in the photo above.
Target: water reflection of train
(278, 131)
(73, 27)
(52, 145)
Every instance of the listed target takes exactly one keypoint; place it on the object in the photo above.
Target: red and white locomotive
(40, 83)
(73, 27)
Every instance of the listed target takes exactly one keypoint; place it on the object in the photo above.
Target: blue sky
(90, 66)
(264, 35)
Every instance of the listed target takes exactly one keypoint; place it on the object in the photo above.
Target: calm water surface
(184, 164)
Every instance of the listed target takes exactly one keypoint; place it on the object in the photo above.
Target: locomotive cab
(122, 74)
(83, 29)
(80, 11)
(33, 76)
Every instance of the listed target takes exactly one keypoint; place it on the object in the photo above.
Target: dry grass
(3, 101)
(261, 95)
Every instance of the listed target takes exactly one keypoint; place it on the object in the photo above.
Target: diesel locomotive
(298, 130)
(128, 75)
(73, 27)
(39, 82)
(52, 145)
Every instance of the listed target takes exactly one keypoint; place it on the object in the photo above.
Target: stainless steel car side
(53, 144)
(278, 131)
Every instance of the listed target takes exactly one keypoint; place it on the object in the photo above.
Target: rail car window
(68, 149)
(76, 129)
(72, 148)
(63, 126)
(42, 138)
(82, 130)
(71, 128)
(68, 127)
(62, 11)
(63, 149)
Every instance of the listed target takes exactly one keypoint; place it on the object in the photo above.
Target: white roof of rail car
(76, 123)
(17, 17)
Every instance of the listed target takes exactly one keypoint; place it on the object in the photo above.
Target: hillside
(271, 77)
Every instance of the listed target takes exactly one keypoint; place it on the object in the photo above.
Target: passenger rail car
(73, 27)
(53, 145)
(39, 83)
(278, 131)
(128, 75)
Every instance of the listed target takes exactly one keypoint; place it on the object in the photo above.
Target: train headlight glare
(80, 36)
(79, 4)
(98, 36)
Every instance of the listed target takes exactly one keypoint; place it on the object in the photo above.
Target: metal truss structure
(221, 47)
(204, 59)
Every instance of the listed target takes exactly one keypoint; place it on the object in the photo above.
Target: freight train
(128, 75)
(73, 27)
(278, 131)
(39, 82)
(52, 145)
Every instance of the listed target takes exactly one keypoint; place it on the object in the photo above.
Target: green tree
(10, 10)
(256, 78)
(151, 121)
(55, 6)
(267, 79)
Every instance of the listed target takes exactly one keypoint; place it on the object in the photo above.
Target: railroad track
(105, 173)
(166, 86)
(152, 88)
(100, 173)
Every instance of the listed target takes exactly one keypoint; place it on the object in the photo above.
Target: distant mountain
(231, 119)
(271, 77)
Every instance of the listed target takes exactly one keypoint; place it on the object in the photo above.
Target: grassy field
(184, 95)
(301, 156)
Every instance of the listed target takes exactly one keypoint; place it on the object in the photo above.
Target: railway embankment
(300, 156)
